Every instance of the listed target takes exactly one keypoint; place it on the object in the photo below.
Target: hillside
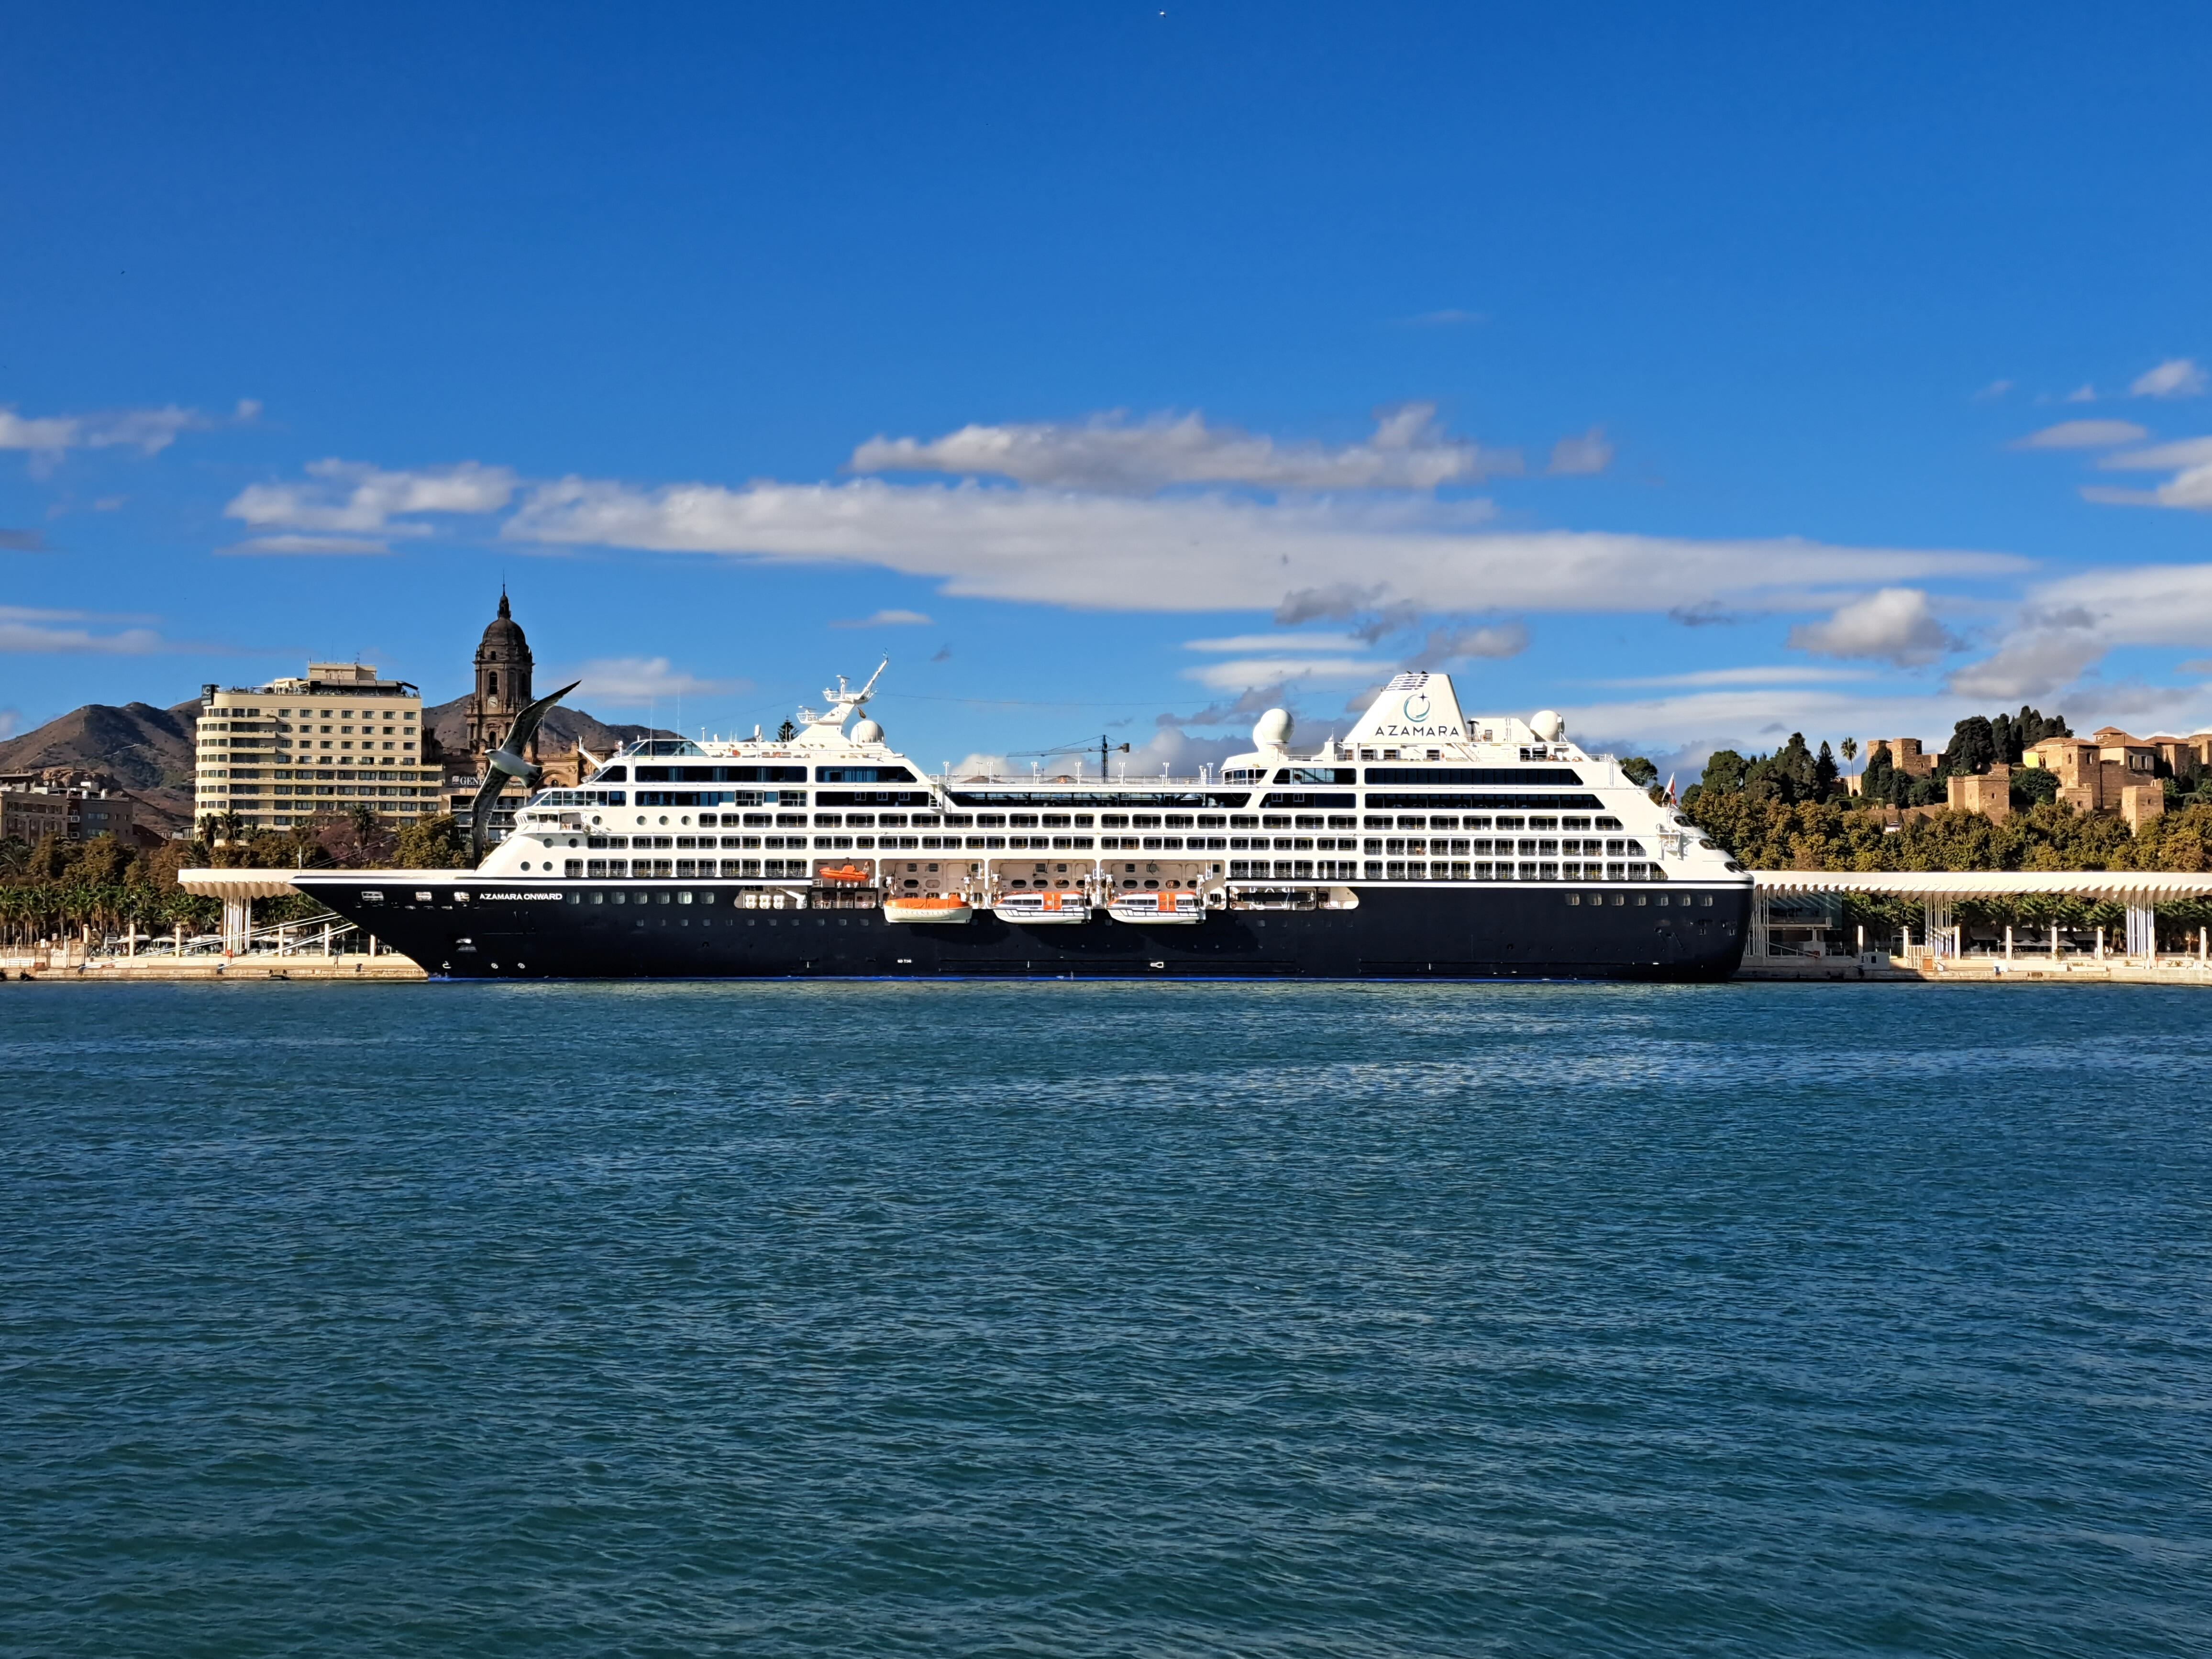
(140, 746)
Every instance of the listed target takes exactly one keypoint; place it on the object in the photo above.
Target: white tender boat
(1153, 909)
(1033, 909)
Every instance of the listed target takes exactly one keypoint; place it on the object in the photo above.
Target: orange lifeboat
(928, 907)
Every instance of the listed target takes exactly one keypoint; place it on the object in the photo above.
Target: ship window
(684, 898)
(1607, 823)
(1574, 898)
(621, 899)
(1707, 900)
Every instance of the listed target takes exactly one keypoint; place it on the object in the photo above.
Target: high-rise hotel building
(295, 750)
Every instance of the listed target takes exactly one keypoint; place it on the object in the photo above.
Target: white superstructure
(1417, 793)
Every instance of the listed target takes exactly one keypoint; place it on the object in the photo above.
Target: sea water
(1126, 1319)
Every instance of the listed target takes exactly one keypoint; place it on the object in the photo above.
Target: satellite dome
(1273, 730)
(867, 732)
(1548, 726)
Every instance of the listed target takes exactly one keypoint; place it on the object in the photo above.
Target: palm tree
(1850, 749)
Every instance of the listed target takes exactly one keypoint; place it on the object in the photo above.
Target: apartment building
(295, 750)
(33, 809)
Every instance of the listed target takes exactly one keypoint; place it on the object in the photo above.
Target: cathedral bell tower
(503, 665)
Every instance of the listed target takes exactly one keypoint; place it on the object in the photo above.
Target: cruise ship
(1424, 844)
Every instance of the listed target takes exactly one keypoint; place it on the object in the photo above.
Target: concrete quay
(1932, 969)
(257, 969)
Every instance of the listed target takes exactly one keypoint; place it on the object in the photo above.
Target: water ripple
(1177, 1320)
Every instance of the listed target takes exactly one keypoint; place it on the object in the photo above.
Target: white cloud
(885, 619)
(47, 438)
(2187, 452)
(1896, 625)
(1447, 645)
(1175, 751)
(306, 545)
(1210, 553)
(2032, 662)
(353, 499)
(1409, 451)
(33, 631)
(629, 680)
(2083, 435)
(2190, 486)
(2082, 394)
(1768, 674)
(1243, 673)
(1994, 389)
(1749, 717)
(1581, 455)
(11, 721)
(2068, 625)
(2137, 604)
(1449, 316)
(2177, 377)
(1281, 641)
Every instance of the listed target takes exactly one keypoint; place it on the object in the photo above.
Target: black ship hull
(480, 927)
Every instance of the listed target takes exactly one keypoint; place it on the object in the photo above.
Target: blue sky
(1684, 371)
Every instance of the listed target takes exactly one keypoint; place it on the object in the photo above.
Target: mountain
(563, 729)
(140, 746)
(145, 752)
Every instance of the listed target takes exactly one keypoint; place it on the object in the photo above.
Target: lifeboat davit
(1045, 907)
(1168, 906)
(929, 908)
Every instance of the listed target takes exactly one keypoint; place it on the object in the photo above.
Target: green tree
(1879, 780)
(1724, 773)
(1973, 749)
(432, 844)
